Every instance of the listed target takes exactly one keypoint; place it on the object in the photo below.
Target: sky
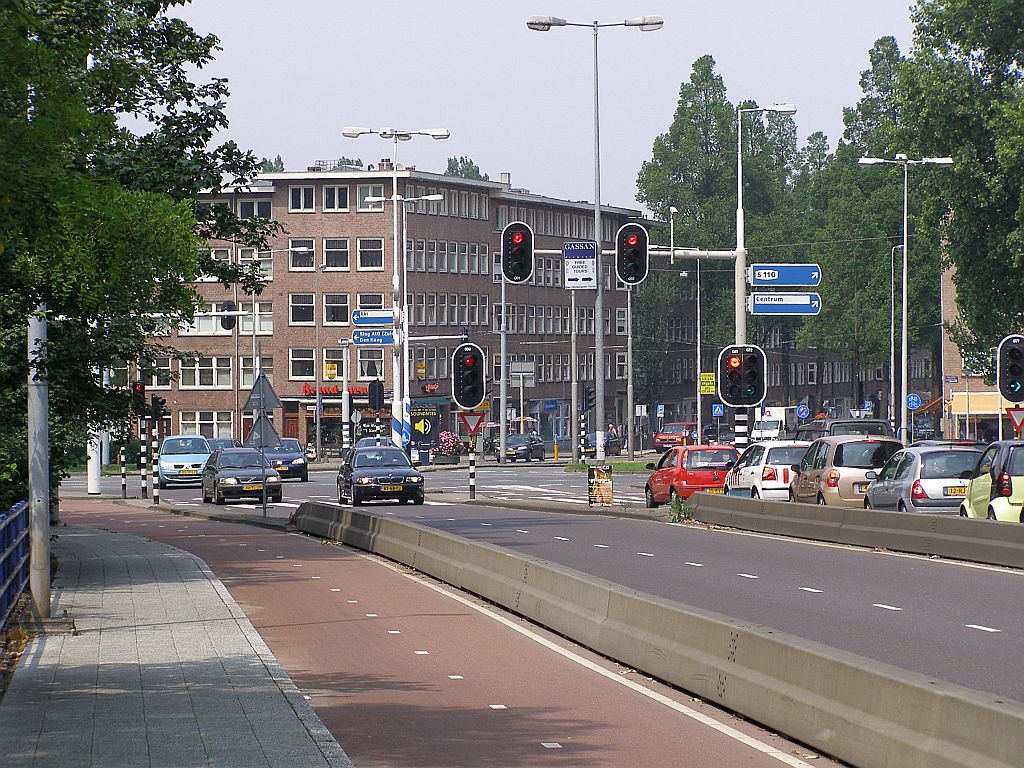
(520, 101)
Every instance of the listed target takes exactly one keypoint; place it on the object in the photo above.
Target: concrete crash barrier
(960, 538)
(863, 712)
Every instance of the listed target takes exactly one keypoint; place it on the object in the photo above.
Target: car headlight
(274, 479)
(414, 479)
(299, 460)
(166, 465)
(229, 480)
(364, 481)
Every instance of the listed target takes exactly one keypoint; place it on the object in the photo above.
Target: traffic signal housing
(375, 394)
(631, 259)
(589, 398)
(139, 397)
(742, 375)
(517, 252)
(1010, 368)
(227, 322)
(157, 407)
(468, 376)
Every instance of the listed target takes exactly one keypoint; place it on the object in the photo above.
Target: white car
(765, 469)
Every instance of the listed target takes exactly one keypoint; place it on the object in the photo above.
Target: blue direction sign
(717, 410)
(802, 411)
(373, 337)
(913, 401)
(784, 275)
(372, 316)
(784, 303)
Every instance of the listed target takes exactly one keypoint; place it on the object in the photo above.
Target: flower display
(448, 444)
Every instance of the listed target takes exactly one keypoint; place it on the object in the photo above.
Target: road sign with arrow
(784, 303)
(784, 275)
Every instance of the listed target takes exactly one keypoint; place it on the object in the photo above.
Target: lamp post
(399, 423)
(645, 24)
(892, 335)
(902, 160)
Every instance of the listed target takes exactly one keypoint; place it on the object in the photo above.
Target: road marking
(983, 629)
(520, 530)
(439, 503)
(601, 546)
(296, 565)
(560, 538)
(695, 565)
(456, 677)
(645, 554)
(488, 524)
(352, 601)
(261, 550)
(497, 706)
(335, 589)
(886, 607)
(315, 577)
(422, 653)
(285, 504)
(747, 575)
(394, 631)
(810, 589)
(551, 745)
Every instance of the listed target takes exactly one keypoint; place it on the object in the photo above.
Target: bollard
(156, 464)
(124, 473)
(143, 456)
(556, 450)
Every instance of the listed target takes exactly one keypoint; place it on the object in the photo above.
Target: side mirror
(650, 465)
(796, 469)
(966, 474)
(871, 475)
(730, 464)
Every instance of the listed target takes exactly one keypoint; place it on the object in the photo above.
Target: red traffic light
(733, 361)
(632, 240)
(138, 386)
(469, 361)
(517, 238)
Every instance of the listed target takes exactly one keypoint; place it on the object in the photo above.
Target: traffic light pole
(503, 386)
(574, 414)
(629, 372)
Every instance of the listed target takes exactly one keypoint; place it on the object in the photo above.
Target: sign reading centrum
(580, 261)
(784, 303)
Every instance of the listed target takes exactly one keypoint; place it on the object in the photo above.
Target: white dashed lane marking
(886, 607)
(695, 565)
(645, 554)
(601, 546)
(810, 589)
(982, 628)
(560, 538)
(747, 575)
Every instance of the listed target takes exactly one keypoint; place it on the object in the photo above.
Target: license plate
(860, 487)
(189, 472)
(391, 487)
(281, 468)
(954, 490)
(714, 490)
(257, 487)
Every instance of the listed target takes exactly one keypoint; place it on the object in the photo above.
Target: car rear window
(709, 459)
(788, 456)
(866, 454)
(947, 463)
(1016, 462)
(853, 428)
(764, 426)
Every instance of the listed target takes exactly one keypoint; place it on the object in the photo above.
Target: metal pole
(397, 303)
(472, 467)
(574, 417)
(93, 463)
(319, 358)
(906, 342)
(892, 335)
(156, 459)
(522, 405)
(740, 277)
(124, 473)
(38, 465)
(346, 401)
(143, 456)
(503, 385)
(629, 370)
(406, 373)
(599, 294)
(700, 409)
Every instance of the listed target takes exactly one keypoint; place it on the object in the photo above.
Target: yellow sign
(421, 369)
(331, 370)
(707, 383)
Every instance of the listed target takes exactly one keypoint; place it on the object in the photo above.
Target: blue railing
(14, 558)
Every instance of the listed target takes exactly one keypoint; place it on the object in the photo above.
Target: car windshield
(710, 459)
(288, 445)
(385, 457)
(518, 439)
(854, 428)
(947, 463)
(183, 445)
(767, 426)
(675, 429)
(865, 454)
(240, 460)
(370, 441)
(789, 455)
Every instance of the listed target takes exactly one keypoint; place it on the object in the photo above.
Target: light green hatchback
(996, 487)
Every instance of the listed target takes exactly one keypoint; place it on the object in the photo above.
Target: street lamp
(645, 24)
(902, 160)
(400, 426)
(892, 334)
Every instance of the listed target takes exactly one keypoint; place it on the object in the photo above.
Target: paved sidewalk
(165, 671)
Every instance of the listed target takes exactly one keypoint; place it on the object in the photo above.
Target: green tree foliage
(465, 168)
(272, 166)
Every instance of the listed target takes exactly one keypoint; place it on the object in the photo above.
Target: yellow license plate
(281, 468)
(954, 490)
(860, 487)
(714, 490)
(189, 472)
(257, 487)
(391, 487)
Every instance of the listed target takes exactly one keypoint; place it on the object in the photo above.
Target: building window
(336, 253)
(265, 259)
(300, 199)
(203, 325)
(161, 379)
(371, 363)
(223, 255)
(371, 301)
(212, 372)
(371, 254)
(812, 373)
(336, 198)
(620, 321)
(421, 256)
(248, 375)
(442, 256)
(251, 209)
(620, 365)
(432, 309)
(300, 260)
(432, 256)
(301, 309)
(264, 318)
(206, 423)
(336, 309)
(364, 191)
(300, 363)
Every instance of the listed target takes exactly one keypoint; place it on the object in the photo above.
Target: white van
(769, 423)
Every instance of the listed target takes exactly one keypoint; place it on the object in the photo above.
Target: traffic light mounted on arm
(139, 397)
(631, 258)
(468, 376)
(742, 375)
(1010, 368)
(517, 252)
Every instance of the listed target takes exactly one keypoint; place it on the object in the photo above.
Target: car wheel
(963, 511)
(791, 496)
(341, 495)
(218, 497)
(821, 501)
(161, 484)
(753, 493)
(206, 496)
(649, 498)
(901, 507)
(356, 501)
(305, 477)
(418, 500)
(276, 499)
(992, 514)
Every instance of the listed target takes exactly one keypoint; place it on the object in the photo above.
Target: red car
(672, 434)
(688, 469)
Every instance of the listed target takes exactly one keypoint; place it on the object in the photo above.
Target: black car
(524, 447)
(612, 444)
(289, 458)
(231, 473)
(222, 442)
(812, 430)
(378, 472)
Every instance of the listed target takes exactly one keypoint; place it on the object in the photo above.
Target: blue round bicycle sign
(913, 401)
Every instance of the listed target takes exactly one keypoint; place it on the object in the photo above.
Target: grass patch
(636, 467)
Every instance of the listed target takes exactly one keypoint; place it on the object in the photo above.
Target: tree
(272, 166)
(465, 168)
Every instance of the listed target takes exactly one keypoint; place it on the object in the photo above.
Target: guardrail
(14, 558)
(960, 538)
(861, 711)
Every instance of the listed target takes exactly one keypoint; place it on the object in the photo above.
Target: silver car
(922, 479)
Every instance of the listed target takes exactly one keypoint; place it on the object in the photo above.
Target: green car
(995, 490)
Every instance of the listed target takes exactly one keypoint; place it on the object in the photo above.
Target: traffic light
(157, 407)
(227, 322)
(631, 254)
(517, 252)
(589, 398)
(1010, 368)
(375, 393)
(742, 375)
(468, 376)
(139, 397)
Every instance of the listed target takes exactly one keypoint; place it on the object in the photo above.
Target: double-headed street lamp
(903, 160)
(400, 426)
(645, 24)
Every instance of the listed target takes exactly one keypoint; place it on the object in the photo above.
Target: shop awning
(977, 404)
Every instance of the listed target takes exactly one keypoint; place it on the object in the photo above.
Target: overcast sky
(519, 101)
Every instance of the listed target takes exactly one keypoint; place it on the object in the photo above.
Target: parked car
(812, 430)
(995, 489)
(833, 471)
(232, 473)
(979, 444)
(222, 442)
(379, 472)
(181, 460)
(674, 433)
(289, 459)
(922, 479)
(523, 447)
(612, 444)
(764, 469)
(684, 470)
